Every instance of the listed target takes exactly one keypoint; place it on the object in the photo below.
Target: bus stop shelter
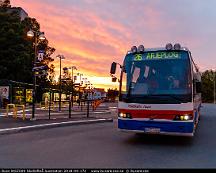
(15, 92)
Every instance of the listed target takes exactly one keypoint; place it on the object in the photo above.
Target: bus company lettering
(139, 106)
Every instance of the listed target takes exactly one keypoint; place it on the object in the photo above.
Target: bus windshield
(158, 76)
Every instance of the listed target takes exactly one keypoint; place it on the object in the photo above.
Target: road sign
(40, 55)
(44, 67)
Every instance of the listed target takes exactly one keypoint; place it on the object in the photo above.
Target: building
(22, 14)
(99, 93)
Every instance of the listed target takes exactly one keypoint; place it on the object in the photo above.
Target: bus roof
(159, 49)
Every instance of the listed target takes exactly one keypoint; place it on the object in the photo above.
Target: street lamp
(37, 35)
(72, 68)
(60, 82)
(79, 74)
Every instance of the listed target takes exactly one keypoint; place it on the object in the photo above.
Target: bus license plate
(152, 130)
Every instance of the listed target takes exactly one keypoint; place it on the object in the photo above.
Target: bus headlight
(185, 117)
(124, 115)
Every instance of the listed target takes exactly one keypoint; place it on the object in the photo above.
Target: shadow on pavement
(148, 139)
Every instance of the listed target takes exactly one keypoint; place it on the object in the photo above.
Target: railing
(15, 110)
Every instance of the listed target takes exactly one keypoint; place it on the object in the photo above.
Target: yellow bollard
(45, 105)
(14, 109)
(23, 111)
(7, 108)
(15, 112)
(24, 115)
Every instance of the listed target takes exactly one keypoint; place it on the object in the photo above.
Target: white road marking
(50, 124)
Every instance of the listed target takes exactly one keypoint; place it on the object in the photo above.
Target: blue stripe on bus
(180, 127)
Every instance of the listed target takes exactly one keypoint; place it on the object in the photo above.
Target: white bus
(160, 91)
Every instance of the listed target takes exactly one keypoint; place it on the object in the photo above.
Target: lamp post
(72, 68)
(79, 74)
(37, 35)
(60, 82)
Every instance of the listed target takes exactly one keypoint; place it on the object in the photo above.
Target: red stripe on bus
(156, 114)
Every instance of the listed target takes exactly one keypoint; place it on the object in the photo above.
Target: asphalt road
(102, 146)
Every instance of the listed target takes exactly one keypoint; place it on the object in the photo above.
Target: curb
(51, 125)
(63, 113)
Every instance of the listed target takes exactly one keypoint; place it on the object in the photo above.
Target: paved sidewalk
(10, 125)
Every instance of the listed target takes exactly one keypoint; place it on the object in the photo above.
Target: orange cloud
(82, 37)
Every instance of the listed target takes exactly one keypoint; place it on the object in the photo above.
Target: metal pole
(34, 79)
(50, 104)
(214, 85)
(60, 87)
(72, 85)
(72, 74)
(87, 108)
(70, 107)
(80, 93)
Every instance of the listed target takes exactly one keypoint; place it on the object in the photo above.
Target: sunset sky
(91, 34)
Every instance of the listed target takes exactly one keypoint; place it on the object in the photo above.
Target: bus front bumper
(176, 128)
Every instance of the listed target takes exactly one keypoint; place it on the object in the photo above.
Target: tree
(208, 85)
(17, 51)
(5, 4)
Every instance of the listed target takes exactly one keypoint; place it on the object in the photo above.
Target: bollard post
(70, 107)
(49, 105)
(72, 100)
(7, 110)
(24, 115)
(81, 105)
(46, 103)
(15, 112)
(92, 106)
(87, 108)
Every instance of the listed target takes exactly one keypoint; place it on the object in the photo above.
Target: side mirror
(113, 68)
(198, 87)
(114, 79)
